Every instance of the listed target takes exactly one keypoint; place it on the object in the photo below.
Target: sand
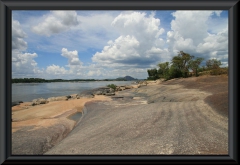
(45, 115)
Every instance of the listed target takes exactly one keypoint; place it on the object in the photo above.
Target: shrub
(113, 86)
(219, 71)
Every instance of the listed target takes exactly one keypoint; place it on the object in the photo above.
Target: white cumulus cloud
(23, 63)
(56, 22)
(56, 70)
(18, 36)
(138, 44)
(190, 33)
(72, 56)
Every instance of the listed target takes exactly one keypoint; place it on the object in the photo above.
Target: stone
(110, 94)
(69, 97)
(14, 103)
(39, 101)
(128, 87)
(98, 93)
(60, 98)
(74, 96)
(111, 90)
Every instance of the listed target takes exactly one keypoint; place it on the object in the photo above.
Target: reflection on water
(29, 91)
(76, 116)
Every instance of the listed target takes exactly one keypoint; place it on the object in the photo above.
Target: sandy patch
(45, 115)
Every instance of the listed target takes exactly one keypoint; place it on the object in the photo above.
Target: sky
(111, 44)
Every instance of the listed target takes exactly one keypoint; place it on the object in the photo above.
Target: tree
(163, 70)
(194, 65)
(153, 74)
(180, 62)
(213, 64)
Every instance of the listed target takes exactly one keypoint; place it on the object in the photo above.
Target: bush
(219, 71)
(113, 86)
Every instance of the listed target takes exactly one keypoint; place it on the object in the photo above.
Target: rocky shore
(39, 125)
(151, 117)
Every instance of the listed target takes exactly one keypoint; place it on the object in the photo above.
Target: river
(28, 91)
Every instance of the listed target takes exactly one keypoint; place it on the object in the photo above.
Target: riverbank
(172, 117)
(35, 129)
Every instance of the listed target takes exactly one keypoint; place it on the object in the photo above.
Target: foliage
(194, 65)
(40, 80)
(113, 86)
(174, 73)
(181, 61)
(213, 64)
(202, 69)
(219, 71)
(163, 70)
(153, 74)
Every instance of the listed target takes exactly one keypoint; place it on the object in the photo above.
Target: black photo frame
(6, 6)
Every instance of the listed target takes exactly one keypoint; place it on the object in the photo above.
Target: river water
(29, 91)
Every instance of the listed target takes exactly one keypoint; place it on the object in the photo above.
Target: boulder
(128, 87)
(74, 96)
(14, 103)
(35, 103)
(111, 90)
(60, 98)
(69, 97)
(110, 94)
(98, 93)
(140, 85)
(39, 101)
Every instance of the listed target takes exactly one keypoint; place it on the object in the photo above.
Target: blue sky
(110, 44)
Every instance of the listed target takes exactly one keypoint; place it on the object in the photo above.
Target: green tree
(113, 86)
(174, 72)
(163, 70)
(153, 74)
(181, 61)
(194, 65)
(213, 64)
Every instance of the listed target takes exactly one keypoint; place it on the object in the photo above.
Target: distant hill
(126, 78)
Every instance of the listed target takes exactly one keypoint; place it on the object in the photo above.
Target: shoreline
(56, 114)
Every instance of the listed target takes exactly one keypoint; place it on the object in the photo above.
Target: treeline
(40, 80)
(185, 65)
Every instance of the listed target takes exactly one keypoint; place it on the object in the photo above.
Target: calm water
(29, 91)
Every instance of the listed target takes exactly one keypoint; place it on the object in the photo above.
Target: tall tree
(194, 65)
(153, 74)
(181, 62)
(163, 69)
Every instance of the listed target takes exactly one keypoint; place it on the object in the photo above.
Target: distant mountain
(126, 78)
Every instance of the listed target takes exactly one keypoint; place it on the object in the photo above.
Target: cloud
(189, 33)
(215, 46)
(72, 56)
(18, 36)
(56, 22)
(138, 44)
(23, 63)
(56, 70)
(125, 42)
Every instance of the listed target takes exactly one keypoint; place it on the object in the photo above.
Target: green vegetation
(113, 86)
(153, 74)
(185, 65)
(40, 80)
